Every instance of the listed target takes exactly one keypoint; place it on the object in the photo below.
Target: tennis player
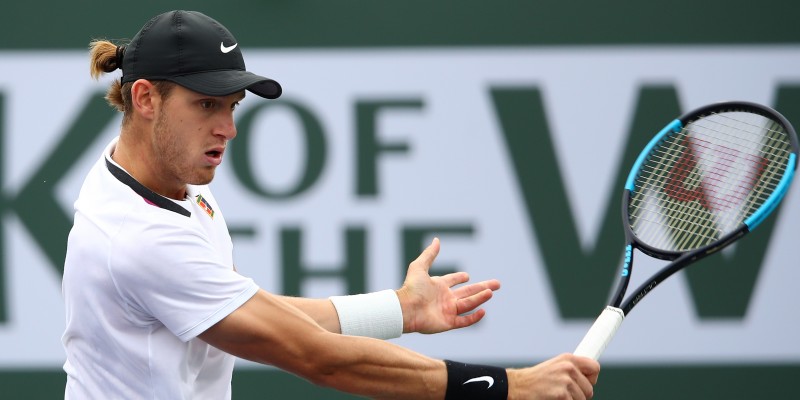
(154, 306)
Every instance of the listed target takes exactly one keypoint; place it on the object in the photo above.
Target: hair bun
(119, 56)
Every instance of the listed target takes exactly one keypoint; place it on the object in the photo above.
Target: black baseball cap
(194, 51)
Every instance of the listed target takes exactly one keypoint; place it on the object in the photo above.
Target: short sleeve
(173, 275)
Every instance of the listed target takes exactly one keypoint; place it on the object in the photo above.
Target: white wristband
(377, 315)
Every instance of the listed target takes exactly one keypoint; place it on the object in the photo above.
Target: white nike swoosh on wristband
(225, 49)
(487, 379)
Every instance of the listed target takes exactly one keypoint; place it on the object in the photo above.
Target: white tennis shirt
(143, 276)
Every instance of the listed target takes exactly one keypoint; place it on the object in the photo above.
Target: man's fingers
(469, 290)
(463, 321)
(589, 368)
(586, 387)
(582, 373)
(456, 278)
(470, 303)
(427, 256)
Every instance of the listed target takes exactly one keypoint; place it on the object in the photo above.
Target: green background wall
(320, 23)
(46, 26)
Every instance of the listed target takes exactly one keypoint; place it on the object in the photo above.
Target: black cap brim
(223, 83)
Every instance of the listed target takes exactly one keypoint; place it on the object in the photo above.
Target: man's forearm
(320, 310)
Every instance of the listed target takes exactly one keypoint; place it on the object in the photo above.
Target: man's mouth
(214, 156)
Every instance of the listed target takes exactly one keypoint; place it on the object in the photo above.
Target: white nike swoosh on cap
(224, 49)
(487, 379)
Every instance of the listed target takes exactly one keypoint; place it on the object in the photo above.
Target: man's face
(191, 132)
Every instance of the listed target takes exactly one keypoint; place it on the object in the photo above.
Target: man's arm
(429, 304)
(319, 310)
(268, 330)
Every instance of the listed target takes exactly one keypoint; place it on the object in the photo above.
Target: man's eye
(207, 104)
(234, 105)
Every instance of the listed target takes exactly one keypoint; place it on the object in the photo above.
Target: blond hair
(106, 57)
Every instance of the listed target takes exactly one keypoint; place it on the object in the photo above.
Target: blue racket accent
(673, 127)
(626, 269)
(754, 220)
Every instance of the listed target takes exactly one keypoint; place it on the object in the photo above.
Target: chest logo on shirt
(204, 205)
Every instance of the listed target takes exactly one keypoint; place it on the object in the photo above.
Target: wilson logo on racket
(204, 205)
(720, 180)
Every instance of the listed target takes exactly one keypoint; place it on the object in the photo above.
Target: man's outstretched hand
(432, 304)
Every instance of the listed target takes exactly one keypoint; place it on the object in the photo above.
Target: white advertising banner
(410, 138)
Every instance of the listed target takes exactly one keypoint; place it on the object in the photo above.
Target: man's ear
(144, 98)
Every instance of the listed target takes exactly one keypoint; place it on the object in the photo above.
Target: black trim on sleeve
(147, 194)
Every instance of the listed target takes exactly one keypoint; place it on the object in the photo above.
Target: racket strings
(691, 237)
(677, 148)
(687, 228)
(725, 124)
(704, 229)
(759, 180)
(704, 224)
(781, 152)
(704, 181)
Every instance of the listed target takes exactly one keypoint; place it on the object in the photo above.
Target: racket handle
(601, 333)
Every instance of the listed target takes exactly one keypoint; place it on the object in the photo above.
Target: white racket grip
(601, 333)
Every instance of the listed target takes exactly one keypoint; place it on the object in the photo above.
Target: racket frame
(606, 325)
(681, 259)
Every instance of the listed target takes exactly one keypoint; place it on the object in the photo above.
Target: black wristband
(475, 382)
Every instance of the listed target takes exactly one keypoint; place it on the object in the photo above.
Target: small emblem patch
(204, 205)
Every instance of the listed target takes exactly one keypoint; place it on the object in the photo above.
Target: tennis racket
(703, 182)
